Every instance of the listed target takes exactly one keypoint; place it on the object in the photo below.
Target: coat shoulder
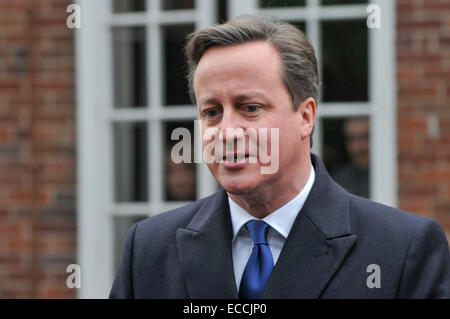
(165, 224)
(371, 216)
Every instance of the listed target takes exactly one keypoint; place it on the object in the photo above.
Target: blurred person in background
(180, 180)
(354, 176)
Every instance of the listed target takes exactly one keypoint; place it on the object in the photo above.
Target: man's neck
(265, 200)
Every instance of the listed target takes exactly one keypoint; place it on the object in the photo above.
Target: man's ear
(307, 114)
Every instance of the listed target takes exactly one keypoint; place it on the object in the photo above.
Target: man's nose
(230, 127)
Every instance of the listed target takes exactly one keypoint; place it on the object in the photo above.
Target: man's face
(240, 86)
(357, 140)
(181, 181)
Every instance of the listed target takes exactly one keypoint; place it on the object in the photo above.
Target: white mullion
(382, 88)
(313, 34)
(150, 160)
(128, 19)
(130, 209)
(128, 115)
(107, 150)
(345, 109)
(238, 7)
(317, 137)
(313, 9)
(107, 157)
(343, 12)
(94, 224)
(155, 150)
(205, 182)
(176, 17)
(154, 7)
(87, 173)
(155, 64)
(179, 112)
(144, 114)
(107, 106)
(155, 58)
(156, 154)
(156, 147)
(206, 13)
(147, 209)
(288, 14)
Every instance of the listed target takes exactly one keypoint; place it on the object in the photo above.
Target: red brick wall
(423, 74)
(37, 135)
(37, 149)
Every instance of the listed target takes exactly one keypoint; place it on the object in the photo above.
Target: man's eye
(211, 112)
(252, 108)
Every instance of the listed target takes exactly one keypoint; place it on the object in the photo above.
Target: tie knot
(258, 231)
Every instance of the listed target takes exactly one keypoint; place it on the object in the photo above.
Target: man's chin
(238, 188)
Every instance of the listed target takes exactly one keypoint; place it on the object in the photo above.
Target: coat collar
(319, 241)
(327, 205)
(204, 248)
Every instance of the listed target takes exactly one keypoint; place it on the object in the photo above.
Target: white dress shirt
(280, 221)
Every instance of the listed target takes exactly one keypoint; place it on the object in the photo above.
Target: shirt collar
(280, 220)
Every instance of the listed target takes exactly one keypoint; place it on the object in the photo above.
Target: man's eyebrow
(239, 97)
(210, 100)
(249, 95)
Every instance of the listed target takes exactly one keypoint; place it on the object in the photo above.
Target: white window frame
(95, 113)
(381, 107)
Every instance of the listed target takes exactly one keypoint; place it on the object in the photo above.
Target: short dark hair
(299, 71)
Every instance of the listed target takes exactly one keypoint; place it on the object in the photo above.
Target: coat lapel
(204, 248)
(319, 241)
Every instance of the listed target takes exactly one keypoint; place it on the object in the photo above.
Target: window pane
(128, 5)
(345, 61)
(299, 25)
(130, 162)
(122, 225)
(222, 11)
(346, 151)
(281, 3)
(129, 64)
(336, 2)
(177, 4)
(180, 178)
(176, 87)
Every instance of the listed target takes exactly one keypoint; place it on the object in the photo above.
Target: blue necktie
(260, 264)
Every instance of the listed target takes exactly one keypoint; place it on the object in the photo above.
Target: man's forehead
(247, 53)
(238, 95)
(250, 65)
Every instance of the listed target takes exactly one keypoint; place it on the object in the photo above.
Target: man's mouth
(233, 158)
